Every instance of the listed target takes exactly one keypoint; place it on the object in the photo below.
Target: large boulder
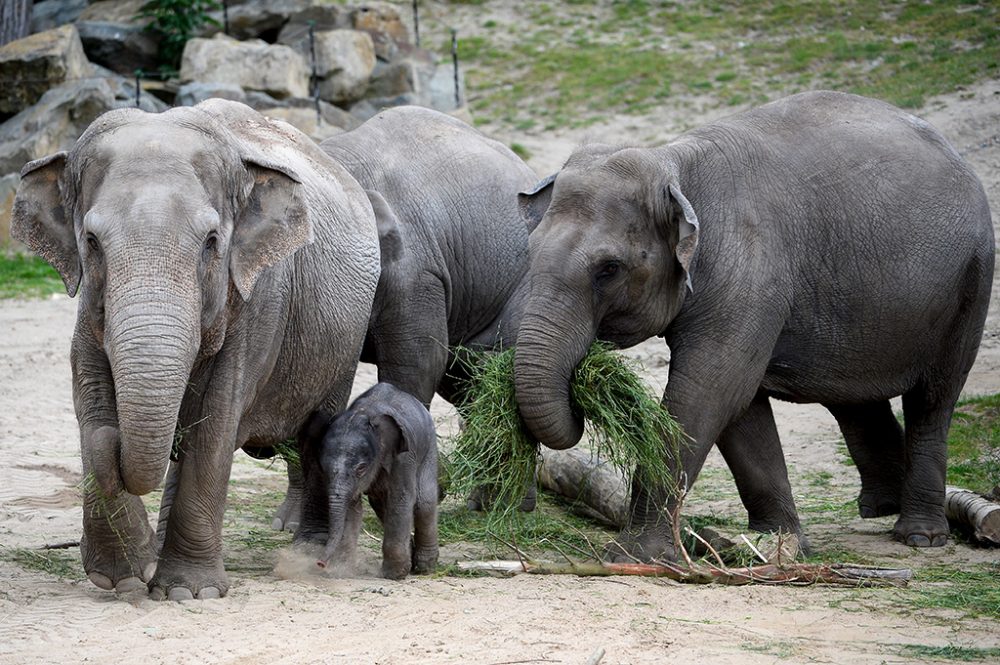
(317, 17)
(54, 123)
(344, 62)
(381, 21)
(30, 66)
(256, 19)
(50, 14)
(254, 65)
(112, 36)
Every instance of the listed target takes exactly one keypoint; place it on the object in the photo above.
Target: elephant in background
(384, 446)
(226, 270)
(453, 248)
(824, 248)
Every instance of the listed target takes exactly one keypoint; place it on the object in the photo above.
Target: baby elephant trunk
(103, 450)
(337, 514)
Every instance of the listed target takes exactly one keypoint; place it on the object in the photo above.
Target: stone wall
(82, 57)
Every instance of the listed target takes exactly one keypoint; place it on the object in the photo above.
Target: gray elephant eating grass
(226, 269)
(822, 248)
(384, 446)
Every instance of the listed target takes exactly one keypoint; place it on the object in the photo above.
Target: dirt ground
(277, 613)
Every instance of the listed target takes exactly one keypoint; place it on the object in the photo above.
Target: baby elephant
(384, 446)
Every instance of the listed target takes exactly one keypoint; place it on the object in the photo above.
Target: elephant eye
(360, 469)
(92, 243)
(607, 270)
(211, 242)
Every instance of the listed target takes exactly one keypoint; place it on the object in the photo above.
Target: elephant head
(153, 218)
(611, 250)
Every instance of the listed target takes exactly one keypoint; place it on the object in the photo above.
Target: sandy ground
(275, 613)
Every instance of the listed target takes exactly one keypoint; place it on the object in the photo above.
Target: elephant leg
(752, 450)
(922, 521)
(711, 382)
(425, 540)
(397, 528)
(118, 547)
(190, 563)
(169, 493)
(875, 440)
(289, 513)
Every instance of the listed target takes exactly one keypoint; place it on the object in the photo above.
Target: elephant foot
(118, 547)
(921, 533)
(642, 545)
(289, 514)
(425, 560)
(482, 499)
(182, 580)
(877, 503)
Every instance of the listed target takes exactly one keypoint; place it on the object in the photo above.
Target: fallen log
(973, 512)
(800, 574)
(598, 489)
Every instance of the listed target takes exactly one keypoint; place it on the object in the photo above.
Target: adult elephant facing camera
(201, 241)
(823, 248)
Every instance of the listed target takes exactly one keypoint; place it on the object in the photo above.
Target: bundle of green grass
(628, 428)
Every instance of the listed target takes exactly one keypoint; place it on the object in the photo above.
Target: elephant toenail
(129, 584)
(918, 540)
(180, 593)
(209, 592)
(156, 593)
(103, 581)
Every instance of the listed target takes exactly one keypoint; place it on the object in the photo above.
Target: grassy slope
(579, 61)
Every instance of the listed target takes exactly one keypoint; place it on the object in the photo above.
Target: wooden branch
(972, 511)
(793, 574)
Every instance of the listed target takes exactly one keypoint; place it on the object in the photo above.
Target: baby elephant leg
(397, 525)
(425, 542)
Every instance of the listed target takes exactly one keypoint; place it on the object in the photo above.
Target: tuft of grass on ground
(27, 277)
(972, 593)
(953, 652)
(58, 563)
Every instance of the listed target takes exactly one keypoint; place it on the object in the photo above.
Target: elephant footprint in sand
(201, 242)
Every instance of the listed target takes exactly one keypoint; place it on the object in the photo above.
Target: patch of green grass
(974, 444)
(27, 277)
(519, 150)
(58, 563)
(949, 652)
(973, 593)
(575, 61)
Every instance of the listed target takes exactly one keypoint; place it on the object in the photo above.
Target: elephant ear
(533, 203)
(273, 224)
(679, 214)
(404, 426)
(390, 237)
(39, 218)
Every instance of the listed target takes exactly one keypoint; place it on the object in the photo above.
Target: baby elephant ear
(393, 433)
(39, 219)
(534, 202)
(273, 224)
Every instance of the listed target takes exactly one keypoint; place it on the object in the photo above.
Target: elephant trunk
(554, 336)
(151, 347)
(337, 517)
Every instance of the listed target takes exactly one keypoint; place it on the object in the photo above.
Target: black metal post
(454, 60)
(416, 23)
(225, 16)
(313, 77)
(138, 89)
